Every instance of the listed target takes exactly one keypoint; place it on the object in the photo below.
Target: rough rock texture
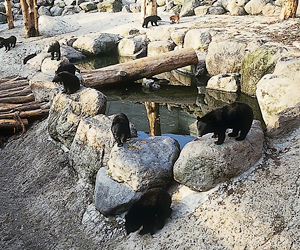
(188, 7)
(255, 7)
(224, 82)
(255, 65)
(110, 6)
(198, 39)
(67, 110)
(280, 90)
(144, 162)
(225, 55)
(135, 46)
(160, 47)
(50, 26)
(95, 44)
(202, 164)
(92, 139)
(177, 36)
(106, 188)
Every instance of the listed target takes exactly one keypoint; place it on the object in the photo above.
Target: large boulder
(162, 33)
(133, 46)
(92, 145)
(279, 91)
(177, 36)
(144, 162)
(255, 65)
(67, 110)
(112, 197)
(51, 26)
(202, 164)
(110, 6)
(235, 7)
(99, 43)
(188, 7)
(159, 47)
(197, 39)
(225, 82)
(225, 54)
(255, 7)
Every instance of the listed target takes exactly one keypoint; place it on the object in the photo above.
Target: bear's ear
(198, 118)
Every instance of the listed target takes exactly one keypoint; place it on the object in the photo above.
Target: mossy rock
(254, 66)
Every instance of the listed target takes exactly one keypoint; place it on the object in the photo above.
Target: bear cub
(120, 128)
(70, 81)
(153, 19)
(69, 67)
(8, 42)
(238, 116)
(150, 212)
(54, 49)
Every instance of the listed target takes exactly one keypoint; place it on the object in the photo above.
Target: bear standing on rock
(71, 82)
(54, 49)
(150, 211)
(120, 128)
(237, 116)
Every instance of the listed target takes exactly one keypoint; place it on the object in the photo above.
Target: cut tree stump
(140, 68)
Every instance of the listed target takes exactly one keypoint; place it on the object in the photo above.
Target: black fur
(54, 49)
(153, 19)
(70, 81)
(120, 128)
(150, 211)
(27, 58)
(70, 67)
(8, 42)
(237, 116)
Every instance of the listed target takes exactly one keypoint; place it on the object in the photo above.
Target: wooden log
(18, 99)
(20, 91)
(9, 107)
(12, 124)
(140, 68)
(13, 84)
(25, 114)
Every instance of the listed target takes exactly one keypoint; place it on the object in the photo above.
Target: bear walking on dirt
(120, 128)
(153, 19)
(8, 43)
(150, 212)
(238, 116)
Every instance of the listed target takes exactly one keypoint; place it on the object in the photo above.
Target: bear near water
(120, 128)
(238, 116)
(8, 43)
(54, 49)
(150, 212)
(153, 19)
(70, 82)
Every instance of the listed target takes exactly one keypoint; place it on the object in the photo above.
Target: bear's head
(132, 221)
(204, 126)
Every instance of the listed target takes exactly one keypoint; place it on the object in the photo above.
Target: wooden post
(153, 117)
(9, 15)
(289, 9)
(30, 17)
(140, 68)
(148, 8)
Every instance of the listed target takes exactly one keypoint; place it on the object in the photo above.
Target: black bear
(27, 58)
(8, 42)
(70, 81)
(150, 211)
(120, 128)
(237, 116)
(54, 48)
(69, 67)
(153, 19)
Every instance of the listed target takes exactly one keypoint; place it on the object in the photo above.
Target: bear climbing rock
(54, 49)
(120, 128)
(69, 67)
(238, 116)
(8, 42)
(70, 81)
(150, 212)
(153, 19)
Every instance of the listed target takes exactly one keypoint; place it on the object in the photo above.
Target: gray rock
(164, 33)
(255, 7)
(51, 26)
(224, 82)
(94, 44)
(59, 3)
(225, 54)
(71, 53)
(67, 110)
(126, 9)
(92, 145)
(44, 11)
(135, 7)
(144, 162)
(56, 10)
(216, 10)
(178, 36)
(88, 6)
(134, 46)
(202, 164)
(198, 39)
(188, 7)
(109, 6)
(112, 197)
(159, 47)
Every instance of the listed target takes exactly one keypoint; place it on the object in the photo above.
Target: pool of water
(179, 106)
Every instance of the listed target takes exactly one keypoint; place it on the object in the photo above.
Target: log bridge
(17, 102)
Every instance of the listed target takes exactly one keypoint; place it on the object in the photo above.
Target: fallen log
(25, 114)
(12, 124)
(13, 83)
(20, 91)
(140, 68)
(18, 99)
